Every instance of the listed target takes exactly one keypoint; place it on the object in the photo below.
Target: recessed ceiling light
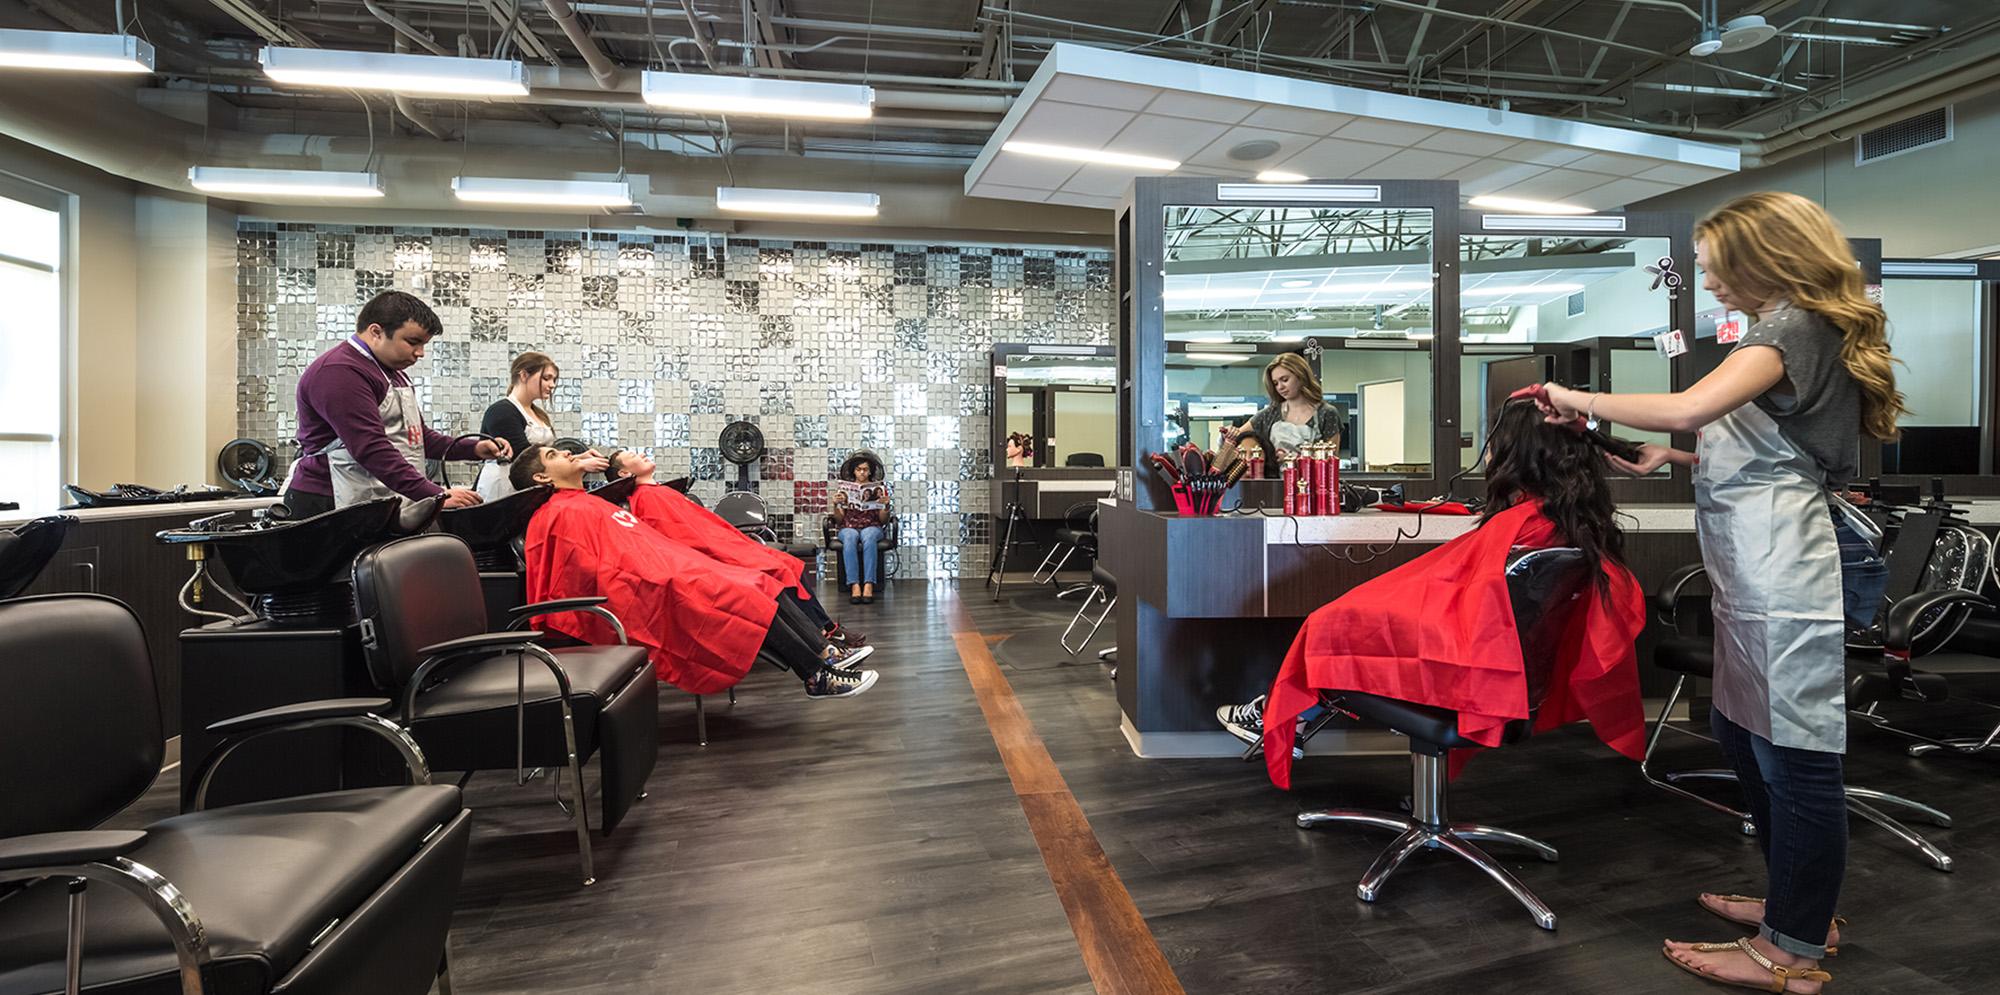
(1102, 157)
(1532, 288)
(74, 51)
(284, 182)
(400, 72)
(1280, 176)
(821, 203)
(1526, 206)
(1211, 293)
(758, 96)
(1296, 283)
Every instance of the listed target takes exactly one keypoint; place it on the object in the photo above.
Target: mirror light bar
(1280, 176)
(1321, 192)
(1098, 157)
(1532, 288)
(284, 182)
(758, 95)
(397, 71)
(75, 52)
(820, 203)
(551, 193)
(1526, 206)
(1539, 222)
(1929, 269)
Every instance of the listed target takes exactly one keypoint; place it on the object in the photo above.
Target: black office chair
(27, 548)
(345, 891)
(472, 697)
(1084, 459)
(1103, 590)
(1924, 607)
(1545, 585)
(1077, 534)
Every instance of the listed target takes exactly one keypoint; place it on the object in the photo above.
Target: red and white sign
(1729, 331)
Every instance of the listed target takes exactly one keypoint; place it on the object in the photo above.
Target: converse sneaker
(841, 636)
(848, 659)
(1246, 722)
(831, 683)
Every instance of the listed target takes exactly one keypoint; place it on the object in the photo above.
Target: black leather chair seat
(1977, 635)
(264, 878)
(1693, 657)
(599, 672)
(1421, 723)
(1099, 575)
(1083, 539)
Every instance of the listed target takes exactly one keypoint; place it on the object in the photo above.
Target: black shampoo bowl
(27, 548)
(279, 557)
(491, 528)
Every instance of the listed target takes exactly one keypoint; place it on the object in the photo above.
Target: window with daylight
(31, 337)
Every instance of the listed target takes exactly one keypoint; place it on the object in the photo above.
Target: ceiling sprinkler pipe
(606, 72)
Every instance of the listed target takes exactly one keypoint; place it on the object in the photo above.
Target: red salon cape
(673, 515)
(701, 621)
(1439, 631)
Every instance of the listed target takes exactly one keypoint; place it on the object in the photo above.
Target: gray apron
(403, 423)
(1762, 515)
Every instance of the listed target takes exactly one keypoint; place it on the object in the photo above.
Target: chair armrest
(557, 605)
(482, 641)
(1899, 630)
(1666, 600)
(58, 849)
(304, 711)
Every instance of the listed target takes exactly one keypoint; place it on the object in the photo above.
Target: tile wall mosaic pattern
(663, 340)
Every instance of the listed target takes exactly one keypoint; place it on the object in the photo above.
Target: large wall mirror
(1940, 323)
(1244, 283)
(1064, 397)
(1581, 310)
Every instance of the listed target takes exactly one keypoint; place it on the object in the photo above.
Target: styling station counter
(1207, 606)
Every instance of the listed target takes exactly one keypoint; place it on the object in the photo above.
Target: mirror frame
(1985, 271)
(997, 443)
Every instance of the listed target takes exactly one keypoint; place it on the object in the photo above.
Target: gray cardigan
(1327, 424)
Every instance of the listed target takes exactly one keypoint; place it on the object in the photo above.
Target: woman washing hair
(1779, 425)
(1438, 630)
(520, 419)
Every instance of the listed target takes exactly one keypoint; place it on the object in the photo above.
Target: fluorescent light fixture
(1843, 39)
(1403, 287)
(1929, 269)
(1551, 223)
(1318, 192)
(1225, 357)
(1526, 206)
(284, 182)
(1280, 176)
(753, 95)
(400, 72)
(75, 52)
(1531, 288)
(1211, 338)
(1098, 157)
(820, 203)
(1218, 293)
(1288, 284)
(552, 193)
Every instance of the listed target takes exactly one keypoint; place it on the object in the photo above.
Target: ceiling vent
(1907, 135)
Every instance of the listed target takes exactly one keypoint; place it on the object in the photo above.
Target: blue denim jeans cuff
(1797, 948)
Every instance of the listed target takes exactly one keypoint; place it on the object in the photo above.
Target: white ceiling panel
(1334, 158)
(1200, 107)
(1053, 122)
(1168, 138)
(1103, 100)
(1217, 152)
(1417, 164)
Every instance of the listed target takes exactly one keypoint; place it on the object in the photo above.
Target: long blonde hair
(531, 364)
(1301, 371)
(1773, 245)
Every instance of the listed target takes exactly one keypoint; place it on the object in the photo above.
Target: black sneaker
(1246, 722)
(849, 659)
(831, 683)
(841, 636)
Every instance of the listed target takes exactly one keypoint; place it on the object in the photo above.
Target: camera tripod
(996, 572)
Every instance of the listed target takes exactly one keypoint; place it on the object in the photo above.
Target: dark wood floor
(877, 846)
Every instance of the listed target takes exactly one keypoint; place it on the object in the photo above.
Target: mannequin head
(1530, 459)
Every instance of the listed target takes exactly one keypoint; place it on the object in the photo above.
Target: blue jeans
(1864, 577)
(1799, 801)
(858, 550)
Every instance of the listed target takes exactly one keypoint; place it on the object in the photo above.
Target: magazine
(871, 496)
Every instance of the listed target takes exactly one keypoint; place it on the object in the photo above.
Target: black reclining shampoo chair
(323, 894)
(1545, 584)
(480, 700)
(27, 548)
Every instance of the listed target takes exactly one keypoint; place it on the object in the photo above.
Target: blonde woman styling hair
(1298, 412)
(1779, 423)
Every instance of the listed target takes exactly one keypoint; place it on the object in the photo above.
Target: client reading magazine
(1439, 630)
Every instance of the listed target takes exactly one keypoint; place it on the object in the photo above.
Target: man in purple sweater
(361, 432)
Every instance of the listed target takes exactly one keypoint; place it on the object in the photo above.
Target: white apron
(493, 480)
(1761, 513)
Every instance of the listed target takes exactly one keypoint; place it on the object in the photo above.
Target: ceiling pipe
(607, 72)
(403, 29)
(1839, 125)
(424, 122)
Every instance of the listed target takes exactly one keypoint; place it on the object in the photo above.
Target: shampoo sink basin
(276, 556)
(491, 528)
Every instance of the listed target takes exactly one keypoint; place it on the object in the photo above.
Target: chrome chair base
(1044, 573)
(1425, 828)
(1097, 592)
(1860, 801)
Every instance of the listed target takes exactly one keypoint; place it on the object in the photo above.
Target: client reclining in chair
(1439, 630)
(674, 515)
(704, 622)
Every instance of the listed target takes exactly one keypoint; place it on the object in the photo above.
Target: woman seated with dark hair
(676, 516)
(859, 506)
(1439, 630)
(703, 622)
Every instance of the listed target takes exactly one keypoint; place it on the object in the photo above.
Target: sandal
(1781, 977)
(1832, 950)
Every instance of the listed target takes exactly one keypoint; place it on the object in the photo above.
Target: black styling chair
(1925, 605)
(1545, 585)
(885, 547)
(1078, 533)
(346, 891)
(482, 700)
(1103, 591)
(27, 548)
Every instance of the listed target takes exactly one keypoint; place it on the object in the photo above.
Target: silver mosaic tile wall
(663, 340)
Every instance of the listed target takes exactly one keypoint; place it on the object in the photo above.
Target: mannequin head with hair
(1558, 465)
